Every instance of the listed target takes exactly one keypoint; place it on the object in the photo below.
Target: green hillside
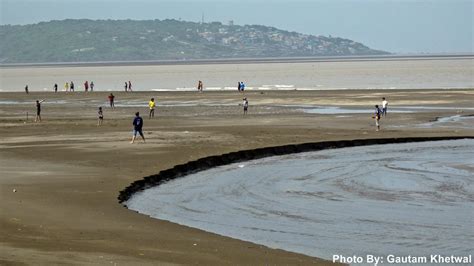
(122, 40)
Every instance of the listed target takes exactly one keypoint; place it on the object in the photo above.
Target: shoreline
(60, 178)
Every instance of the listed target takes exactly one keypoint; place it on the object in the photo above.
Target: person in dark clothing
(26, 89)
(55, 87)
(38, 111)
(137, 127)
(126, 86)
(71, 86)
(111, 100)
(92, 86)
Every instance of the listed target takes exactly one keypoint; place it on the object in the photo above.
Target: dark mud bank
(247, 155)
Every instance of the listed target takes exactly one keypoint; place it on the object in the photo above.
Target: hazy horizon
(393, 26)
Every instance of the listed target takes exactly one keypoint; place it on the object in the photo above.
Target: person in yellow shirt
(152, 105)
(66, 86)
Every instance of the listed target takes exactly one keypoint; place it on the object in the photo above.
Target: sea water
(404, 199)
(337, 75)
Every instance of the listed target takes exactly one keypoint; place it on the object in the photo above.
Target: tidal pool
(404, 199)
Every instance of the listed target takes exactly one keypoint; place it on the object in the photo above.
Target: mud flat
(67, 172)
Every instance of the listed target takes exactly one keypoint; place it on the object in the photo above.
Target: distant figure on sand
(199, 87)
(26, 89)
(92, 86)
(86, 86)
(126, 86)
(100, 117)
(111, 100)
(38, 111)
(246, 105)
(129, 86)
(55, 87)
(66, 86)
(152, 105)
(137, 127)
(377, 117)
(71, 86)
(242, 86)
(238, 86)
(384, 106)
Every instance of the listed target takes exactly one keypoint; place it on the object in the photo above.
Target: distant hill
(122, 40)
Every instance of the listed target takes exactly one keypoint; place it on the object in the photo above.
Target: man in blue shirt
(137, 127)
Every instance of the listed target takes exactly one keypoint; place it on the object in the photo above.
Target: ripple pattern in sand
(403, 199)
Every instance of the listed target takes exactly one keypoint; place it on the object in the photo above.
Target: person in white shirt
(384, 106)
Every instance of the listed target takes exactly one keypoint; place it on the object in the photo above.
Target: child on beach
(111, 101)
(100, 117)
(152, 105)
(137, 127)
(38, 111)
(377, 117)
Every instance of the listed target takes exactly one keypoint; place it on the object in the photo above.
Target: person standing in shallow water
(130, 86)
(92, 86)
(26, 89)
(126, 86)
(152, 105)
(137, 127)
(55, 87)
(111, 101)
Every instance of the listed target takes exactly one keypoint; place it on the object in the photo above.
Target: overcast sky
(431, 26)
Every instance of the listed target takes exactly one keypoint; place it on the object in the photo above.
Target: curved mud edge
(247, 155)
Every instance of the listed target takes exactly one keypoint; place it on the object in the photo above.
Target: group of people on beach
(380, 112)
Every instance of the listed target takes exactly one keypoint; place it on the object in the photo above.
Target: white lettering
(373, 259)
(347, 260)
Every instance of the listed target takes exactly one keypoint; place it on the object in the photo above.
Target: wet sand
(67, 172)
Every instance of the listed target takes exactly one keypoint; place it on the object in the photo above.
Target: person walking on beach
(126, 86)
(152, 105)
(111, 101)
(100, 117)
(86, 86)
(26, 89)
(200, 86)
(92, 86)
(377, 117)
(384, 106)
(66, 86)
(55, 87)
(246, 105)
(137, 127)
(71, 87)
(129, 86)
(38, 111)
(238, 86)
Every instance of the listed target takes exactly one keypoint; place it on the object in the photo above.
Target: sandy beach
(60, 178)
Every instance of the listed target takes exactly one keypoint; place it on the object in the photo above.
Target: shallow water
(374, 75)
(403, 199)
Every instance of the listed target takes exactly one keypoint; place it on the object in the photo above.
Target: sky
(397, 26)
